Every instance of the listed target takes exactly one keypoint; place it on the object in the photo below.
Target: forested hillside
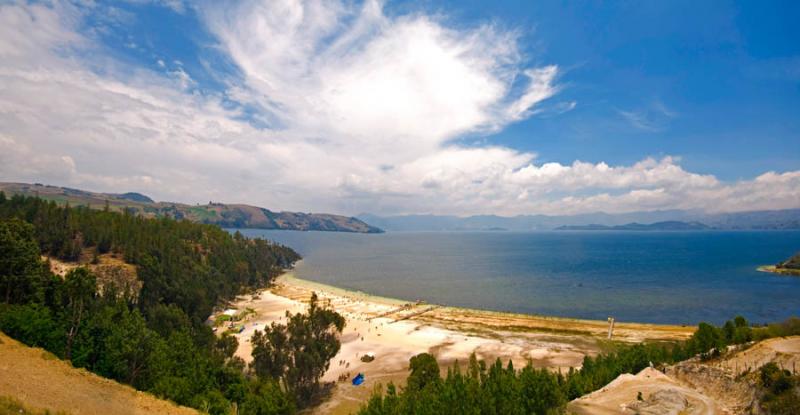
(189, 265)
(156, 341)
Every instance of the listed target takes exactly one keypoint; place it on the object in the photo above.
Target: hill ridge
(226, 215)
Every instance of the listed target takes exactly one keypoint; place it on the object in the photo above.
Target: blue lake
(658, 277)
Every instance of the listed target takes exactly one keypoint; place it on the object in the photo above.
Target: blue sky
(350, 106)
(714, 82)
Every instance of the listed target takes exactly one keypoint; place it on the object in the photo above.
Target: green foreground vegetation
(156, 340)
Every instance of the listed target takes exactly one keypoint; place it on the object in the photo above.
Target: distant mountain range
(671, 225)
(674, 219)
(246, 216)
(222, 214)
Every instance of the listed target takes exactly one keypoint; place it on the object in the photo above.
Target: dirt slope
(41, 381)
(620, 397)
(784, 351)
(693, 387)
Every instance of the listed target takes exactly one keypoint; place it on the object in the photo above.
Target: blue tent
(359, 379)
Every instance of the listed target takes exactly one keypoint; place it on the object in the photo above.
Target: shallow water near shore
(655, 277)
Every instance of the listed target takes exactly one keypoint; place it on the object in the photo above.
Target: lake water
(659, 277)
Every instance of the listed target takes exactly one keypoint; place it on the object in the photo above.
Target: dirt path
(42, 381)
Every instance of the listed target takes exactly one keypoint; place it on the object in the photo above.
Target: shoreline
(289, 278)
(394, 330)
(531, 322)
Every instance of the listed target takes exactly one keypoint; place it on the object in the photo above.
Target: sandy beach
(395, 330)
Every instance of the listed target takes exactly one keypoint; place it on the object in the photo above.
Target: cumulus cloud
(362, 113)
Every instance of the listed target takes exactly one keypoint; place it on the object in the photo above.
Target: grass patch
(202, 213)
(221, 319)
(11, 406)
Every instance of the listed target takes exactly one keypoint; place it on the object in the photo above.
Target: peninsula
(789, 267)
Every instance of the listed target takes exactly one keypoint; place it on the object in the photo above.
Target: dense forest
(499, 389)
(155, 341)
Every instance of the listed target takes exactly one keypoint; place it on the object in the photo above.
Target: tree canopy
(298, 354)
(156, 341)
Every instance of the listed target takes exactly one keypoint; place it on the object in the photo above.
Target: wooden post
(610, 327)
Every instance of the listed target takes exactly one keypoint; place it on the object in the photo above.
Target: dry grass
(33, 378)
(11, 406)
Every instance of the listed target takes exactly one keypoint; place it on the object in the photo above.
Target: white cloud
(357, 76)
(364, 109)
(177, 6)
(653, 118)
(183, 78)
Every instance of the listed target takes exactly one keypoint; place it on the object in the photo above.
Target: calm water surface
(659, 277)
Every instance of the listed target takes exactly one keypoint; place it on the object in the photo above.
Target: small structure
(230, 312)
(358, 380)
(610, 327)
